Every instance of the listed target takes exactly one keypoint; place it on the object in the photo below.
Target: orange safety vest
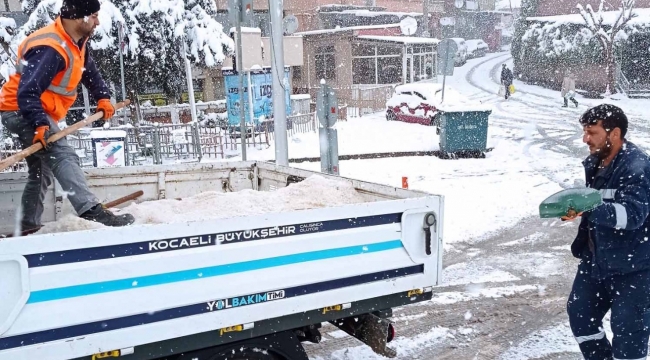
(62, 92)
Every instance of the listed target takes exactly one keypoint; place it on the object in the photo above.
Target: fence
(168, 143)
(355, 101)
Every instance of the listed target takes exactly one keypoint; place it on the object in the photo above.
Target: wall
(401, 5)
(343, 57)
(589, 77)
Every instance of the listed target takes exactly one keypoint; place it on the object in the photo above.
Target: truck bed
(78, 293)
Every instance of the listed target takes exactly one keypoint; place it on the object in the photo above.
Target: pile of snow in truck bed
(313, 192)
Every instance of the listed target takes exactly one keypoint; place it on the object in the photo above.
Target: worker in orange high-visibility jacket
(50, 64)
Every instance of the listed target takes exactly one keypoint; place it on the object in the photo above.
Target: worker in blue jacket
(613, 243)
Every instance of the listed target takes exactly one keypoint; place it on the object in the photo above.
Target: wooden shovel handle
(67, 131)
(123, 199)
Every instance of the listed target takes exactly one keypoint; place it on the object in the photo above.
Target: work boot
(104, 216)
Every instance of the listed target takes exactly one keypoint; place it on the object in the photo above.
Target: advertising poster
(262, 90)
(109, 153)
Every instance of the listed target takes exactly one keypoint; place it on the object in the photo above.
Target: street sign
(327, 108)
(446, 53)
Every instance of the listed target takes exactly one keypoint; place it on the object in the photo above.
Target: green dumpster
(463, 132)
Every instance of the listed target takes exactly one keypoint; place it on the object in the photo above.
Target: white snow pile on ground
(472, 273)
(476, 291)
(314, 192)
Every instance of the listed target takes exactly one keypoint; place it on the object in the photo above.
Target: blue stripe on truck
(201, 240)
(205, 272)
(200, 308)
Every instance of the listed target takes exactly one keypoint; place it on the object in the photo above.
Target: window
(376, 64)
(364, 71)
(389, 70)
(297, 72)
(389, 50)
(325, 63)
(363, 50)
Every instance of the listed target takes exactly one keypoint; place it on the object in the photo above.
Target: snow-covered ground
(507, 273)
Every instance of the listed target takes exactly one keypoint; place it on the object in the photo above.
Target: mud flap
(371, 330)
(14, 277)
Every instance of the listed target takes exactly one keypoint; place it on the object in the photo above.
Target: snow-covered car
(461, 53)
(476, 48)
(419, 103)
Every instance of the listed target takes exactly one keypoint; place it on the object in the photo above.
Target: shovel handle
(67, 131)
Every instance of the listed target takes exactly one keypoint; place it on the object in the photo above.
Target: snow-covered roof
(407, 40)
(609, 17)
(300, 96)
(246, 30)
(369, 13)
(506, 4)
(343, 29)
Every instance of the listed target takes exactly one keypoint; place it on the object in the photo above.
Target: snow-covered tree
(608, 33)
(7, 30)
(155, 31)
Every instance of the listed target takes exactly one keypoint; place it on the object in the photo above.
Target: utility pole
(277, 73)
(121, 34)
(425, 12)
(190, 83)
(240, 72)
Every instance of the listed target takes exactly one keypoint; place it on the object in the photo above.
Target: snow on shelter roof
(609, 17)
(400, 39)
(351, 28)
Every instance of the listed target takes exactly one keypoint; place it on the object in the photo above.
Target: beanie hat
(78, 9)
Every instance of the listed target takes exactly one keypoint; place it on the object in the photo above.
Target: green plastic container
(464, 131)
(565, 201)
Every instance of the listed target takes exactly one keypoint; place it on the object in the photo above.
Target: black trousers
(628, 298)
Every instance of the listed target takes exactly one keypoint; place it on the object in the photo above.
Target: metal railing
(168, 143)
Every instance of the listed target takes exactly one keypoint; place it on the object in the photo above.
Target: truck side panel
(106, 289)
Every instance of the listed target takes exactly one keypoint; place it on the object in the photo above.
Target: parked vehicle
(461, 53)
(418, 103)
(476, 48)
(242, 287)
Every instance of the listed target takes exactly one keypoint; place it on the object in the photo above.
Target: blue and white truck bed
(197, 289)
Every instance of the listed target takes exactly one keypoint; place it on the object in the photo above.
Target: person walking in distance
(506, 79)
(612, 243)
(50, 64)
(569, 89)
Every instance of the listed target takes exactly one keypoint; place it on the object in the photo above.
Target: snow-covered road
(507, 272)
